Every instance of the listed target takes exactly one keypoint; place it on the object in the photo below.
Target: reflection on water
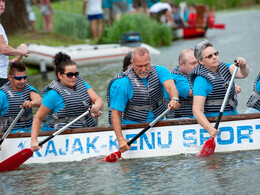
(182, 174)
(227, 173)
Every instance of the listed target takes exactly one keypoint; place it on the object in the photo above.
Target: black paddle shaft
(63, 128)
(226, 96)
(45, 140)
(138, 135)
(148, 127)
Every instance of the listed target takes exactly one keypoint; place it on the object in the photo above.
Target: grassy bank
(69, 12)
(38, 37)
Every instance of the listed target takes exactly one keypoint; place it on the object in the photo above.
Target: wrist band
(176, 99)
(120, 138)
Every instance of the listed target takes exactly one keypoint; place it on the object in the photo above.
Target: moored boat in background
(170, 137)
(86, 54)
(189, 32)
(205, 19)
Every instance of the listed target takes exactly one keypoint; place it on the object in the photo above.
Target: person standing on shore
(95, 14)
(31, 15)
(108, 11)
(47, 14)
(6, 50)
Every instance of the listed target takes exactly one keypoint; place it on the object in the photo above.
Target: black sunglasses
(71, 74)
(211, 55)
(18, 78)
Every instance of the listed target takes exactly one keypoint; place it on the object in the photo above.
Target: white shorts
(31, 16)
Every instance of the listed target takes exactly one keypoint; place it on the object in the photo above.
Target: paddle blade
(219, 26)
(16, 160)
(112, 157)
(208, 148)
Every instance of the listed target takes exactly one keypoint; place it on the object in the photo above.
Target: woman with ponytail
(64, 99)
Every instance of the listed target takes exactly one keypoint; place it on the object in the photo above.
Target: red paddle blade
(208, 148)
(219, 26)
(112, 157)
(16, 160)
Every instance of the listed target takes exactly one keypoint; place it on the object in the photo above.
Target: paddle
(19, 58)
(209, 145)
(116, 155)
(19, 158)
(219, 26)
(12, 125)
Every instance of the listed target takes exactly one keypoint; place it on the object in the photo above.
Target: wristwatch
(176, 99)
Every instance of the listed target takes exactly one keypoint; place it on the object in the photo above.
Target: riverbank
(56, 39)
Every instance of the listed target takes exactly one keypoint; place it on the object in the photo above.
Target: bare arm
(170, 18)
(198, 112)
(171, 89)
(243, 70)
(36, 126)
(9, 51)
(36, 100)
(190, 93)
(97, 101)
(116, 121)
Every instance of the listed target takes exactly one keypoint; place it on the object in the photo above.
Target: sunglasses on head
(211, 55)
(71, 74)
(18, 78)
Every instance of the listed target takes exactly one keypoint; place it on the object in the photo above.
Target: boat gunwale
(174, 122)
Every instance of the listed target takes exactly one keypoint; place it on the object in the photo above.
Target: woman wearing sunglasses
(65, 99)
(210, 82)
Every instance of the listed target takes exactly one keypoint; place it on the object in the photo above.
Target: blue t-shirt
(258, 86)
(150, 3)
(54, 101)
(182, 85)
(4, 101)
(4, 106)
(129, 1)
(203, 87)
(107, 4)
(121, 91)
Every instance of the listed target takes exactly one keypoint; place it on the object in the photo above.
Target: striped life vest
(220, 84)
(185, 109)
(15, 101)
(144, 99)
(254, 99)
(76, 103)
(118, 76)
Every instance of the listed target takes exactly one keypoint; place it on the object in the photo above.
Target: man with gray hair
(139, 94)
(210, 81)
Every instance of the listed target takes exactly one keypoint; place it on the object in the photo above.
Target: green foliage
(71, 25)
(152, 32)
(220, 4)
